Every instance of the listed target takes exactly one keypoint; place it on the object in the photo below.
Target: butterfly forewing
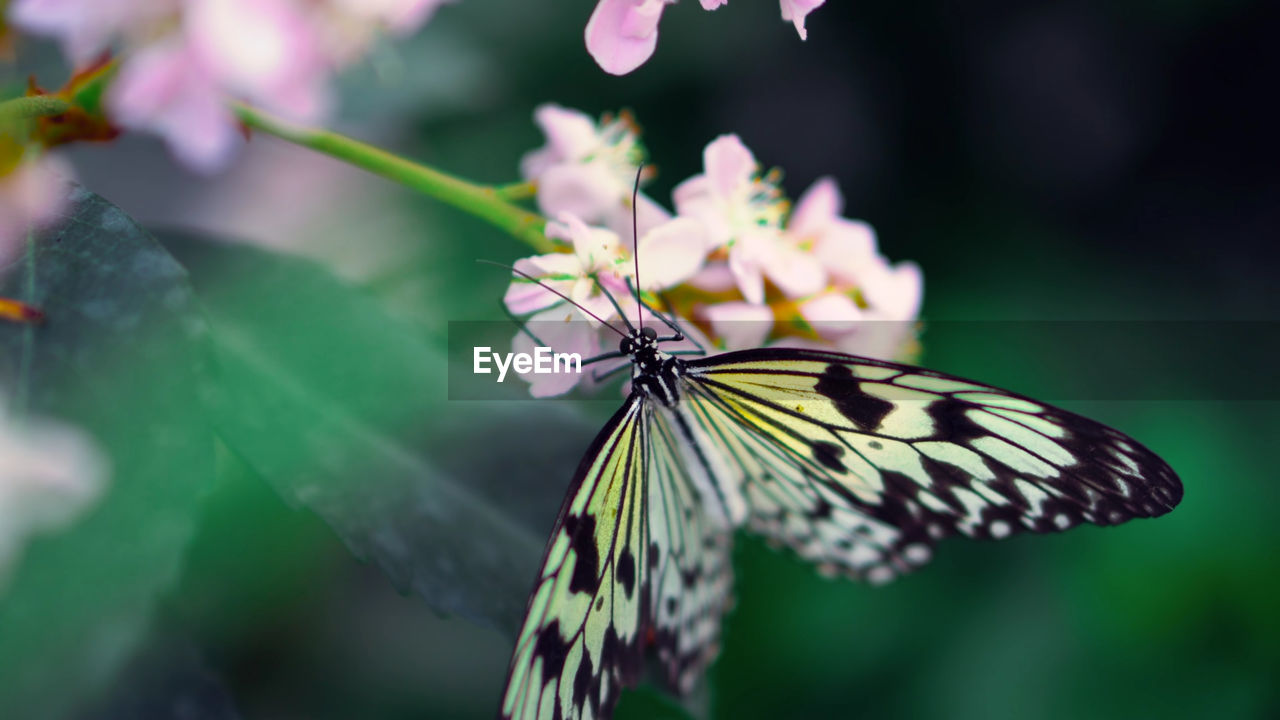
(864, 464)
(583, 634)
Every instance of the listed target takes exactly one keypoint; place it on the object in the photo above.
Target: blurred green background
(1074, 160)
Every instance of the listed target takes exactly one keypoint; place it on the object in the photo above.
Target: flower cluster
(622, 34)
(50, 474)
(184, 59)
(734, 259)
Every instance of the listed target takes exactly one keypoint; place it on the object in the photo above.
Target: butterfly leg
(601, 377)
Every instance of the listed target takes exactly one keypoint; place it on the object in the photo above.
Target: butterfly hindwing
(861, 465)
(584, 630)
(692, 573)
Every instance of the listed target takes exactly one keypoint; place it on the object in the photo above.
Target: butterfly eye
(625, 346)
(649, 333)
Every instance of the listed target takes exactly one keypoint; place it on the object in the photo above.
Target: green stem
(517, 191)
(486, 203)
(26, 108)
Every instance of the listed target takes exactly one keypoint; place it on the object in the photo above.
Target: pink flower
(31, 194)
(622, 34)
(49, 475)
(669, 254)
(847, 251)
(599, 263)
(589, 169)
(87, 27)
(166, 89)
(893, 292)
(795, 11)
(890, 294)
(743, 212)
(597, 254)
(264, 51)
(178, 86)
(841, 245)
(182, 61)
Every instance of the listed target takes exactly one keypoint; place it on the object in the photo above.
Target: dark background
(1040, 160)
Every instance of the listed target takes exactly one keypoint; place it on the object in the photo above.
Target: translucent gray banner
(1055, 361)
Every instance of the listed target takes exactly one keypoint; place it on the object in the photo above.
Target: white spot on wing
(879, 575)
(1015, 457)
(1039, 423)
(917, 553)
(1023, 437)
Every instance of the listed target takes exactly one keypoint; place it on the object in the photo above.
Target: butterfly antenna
(614, 301)
(635, 241)
(522, 326)
(550, 289)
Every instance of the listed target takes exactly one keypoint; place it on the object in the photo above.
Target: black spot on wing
(952, 421)
(553, 649)
(624, 660)
(626, 572)
(582, 680)
(581, 530)
(829, 454)
(821, 510)
(838, 384)
(900, 507)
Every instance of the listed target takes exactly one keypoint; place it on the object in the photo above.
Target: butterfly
(858, 465)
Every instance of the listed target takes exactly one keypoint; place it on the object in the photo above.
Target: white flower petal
(50, 474)
(585, 190)
(715, 277)
(164, 88)
(795, 11)
(571, 136)
(563, 331)
(671, 253)
(739, 325)
(729, 165)
(895, 293)
(796, 273)
(832, 315)
(622, 34)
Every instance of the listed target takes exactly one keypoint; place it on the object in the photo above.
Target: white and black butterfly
(858, 465)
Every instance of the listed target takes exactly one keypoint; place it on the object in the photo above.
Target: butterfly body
(654, 374)
(858, 465)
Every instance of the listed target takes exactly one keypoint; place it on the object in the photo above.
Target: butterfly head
(640, 346)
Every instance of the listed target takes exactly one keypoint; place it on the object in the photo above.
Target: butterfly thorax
(654, 372)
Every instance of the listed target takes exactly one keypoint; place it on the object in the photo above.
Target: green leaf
(167, 680)
(343, 408)
(119, 356)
